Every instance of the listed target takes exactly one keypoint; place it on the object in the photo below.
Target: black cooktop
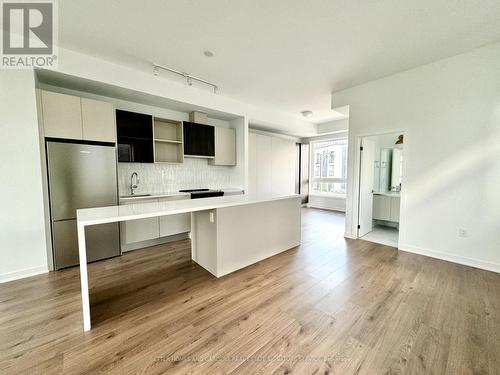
(203, 193)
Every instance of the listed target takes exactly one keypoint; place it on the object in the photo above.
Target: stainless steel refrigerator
(81, 176)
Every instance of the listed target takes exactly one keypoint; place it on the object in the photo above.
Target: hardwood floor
(330, 306)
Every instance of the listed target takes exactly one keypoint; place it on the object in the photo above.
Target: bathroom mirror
(396, 169)
(388, 170)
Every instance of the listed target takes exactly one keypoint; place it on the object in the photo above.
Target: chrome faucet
(132, 185)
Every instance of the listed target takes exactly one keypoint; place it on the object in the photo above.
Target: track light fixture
(189, 78)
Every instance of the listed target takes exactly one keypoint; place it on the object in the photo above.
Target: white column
(82, 251)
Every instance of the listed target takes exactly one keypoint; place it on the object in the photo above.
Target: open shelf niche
(168, 141)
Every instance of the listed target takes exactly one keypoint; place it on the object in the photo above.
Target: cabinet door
(175, 224)
(283, 166)
(225, 146)
(264, 160)
(62, 115)
(381, 207)
(252, 163)
(395, 203)
(140, 229)
(98, 119)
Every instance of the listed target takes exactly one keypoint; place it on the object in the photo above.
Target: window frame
(313, 179)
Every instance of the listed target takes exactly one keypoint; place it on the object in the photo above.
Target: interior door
(365, 216)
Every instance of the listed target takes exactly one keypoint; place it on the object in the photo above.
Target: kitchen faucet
(132, 185)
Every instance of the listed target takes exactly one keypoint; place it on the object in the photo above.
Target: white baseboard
(350, 235)
(466, 261)
(21, 274)
(325, 207)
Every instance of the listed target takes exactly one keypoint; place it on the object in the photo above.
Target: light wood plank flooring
(330, 306)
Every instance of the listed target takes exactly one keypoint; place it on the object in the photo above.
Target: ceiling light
(208, 53)
(189, 78)
(307, 113)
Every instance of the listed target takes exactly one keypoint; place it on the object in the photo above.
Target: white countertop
(395, 194)
(154, 196)
(128, 198)
(142, 210)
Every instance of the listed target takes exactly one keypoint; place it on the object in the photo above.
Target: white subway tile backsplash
(161, 178)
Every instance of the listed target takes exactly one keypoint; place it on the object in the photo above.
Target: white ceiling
(283, 54)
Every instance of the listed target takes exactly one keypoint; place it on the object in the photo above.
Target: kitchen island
(227, 233)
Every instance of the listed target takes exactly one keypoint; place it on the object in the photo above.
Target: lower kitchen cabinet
(136, 231)
(175, 224)
(139, 230)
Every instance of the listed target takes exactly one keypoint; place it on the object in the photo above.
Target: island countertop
(219, 243)
(142, 210)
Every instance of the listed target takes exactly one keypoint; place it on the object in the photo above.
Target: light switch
(212, 217)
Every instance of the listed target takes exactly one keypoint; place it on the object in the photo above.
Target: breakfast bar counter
(227, 233)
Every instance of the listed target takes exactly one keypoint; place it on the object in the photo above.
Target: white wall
(22, 227)
(271, 163)
(336, 126)
(450, 113)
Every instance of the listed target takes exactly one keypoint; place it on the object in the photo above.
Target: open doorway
(381, 178)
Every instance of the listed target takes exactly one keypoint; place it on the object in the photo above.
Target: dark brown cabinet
(135, 137)
(199, 139)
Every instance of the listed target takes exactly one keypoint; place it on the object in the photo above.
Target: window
(330, 167)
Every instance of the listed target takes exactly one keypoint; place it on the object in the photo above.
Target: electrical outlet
(212, 217)
(462, 232)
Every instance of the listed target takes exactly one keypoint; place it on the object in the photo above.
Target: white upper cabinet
(225, 146)
(72, 117)
(62, 116)
(98, 120)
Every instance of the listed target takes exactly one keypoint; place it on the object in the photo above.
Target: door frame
(357, 185)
